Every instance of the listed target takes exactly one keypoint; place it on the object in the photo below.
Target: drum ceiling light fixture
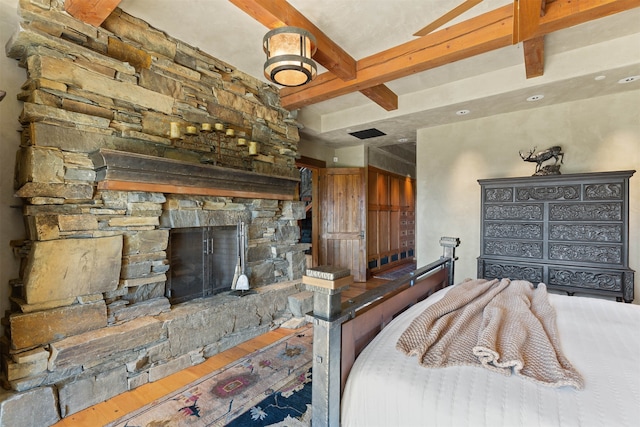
(289, 51)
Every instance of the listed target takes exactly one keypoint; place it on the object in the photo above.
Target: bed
(599, 337)
(366, 381)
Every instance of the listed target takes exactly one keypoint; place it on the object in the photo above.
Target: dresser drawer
(513, 248)
(492, 269)
(586, 278)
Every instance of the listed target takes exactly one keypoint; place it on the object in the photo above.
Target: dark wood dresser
(569, 231)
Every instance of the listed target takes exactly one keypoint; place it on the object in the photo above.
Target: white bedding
(600, 338)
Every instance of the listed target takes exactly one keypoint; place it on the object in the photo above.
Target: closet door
(390, 237)
(342, 222)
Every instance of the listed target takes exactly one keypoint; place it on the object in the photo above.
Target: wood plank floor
(118, 406)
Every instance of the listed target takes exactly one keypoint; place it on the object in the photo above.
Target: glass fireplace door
(202, 261)
(187, 248)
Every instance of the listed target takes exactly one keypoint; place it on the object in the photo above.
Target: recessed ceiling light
(629, 79)
(403, 139)
(599, 78)
(463, 112)
(534, 98)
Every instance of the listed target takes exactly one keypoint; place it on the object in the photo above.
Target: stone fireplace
(106, 186)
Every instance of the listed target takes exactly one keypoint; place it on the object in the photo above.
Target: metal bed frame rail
(328, 316)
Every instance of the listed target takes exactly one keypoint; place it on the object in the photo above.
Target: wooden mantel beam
(92, 12)
(278, 13)
(123, 171)
(481, 34)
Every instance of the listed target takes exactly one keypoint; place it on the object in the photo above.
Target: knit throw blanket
(505, 326)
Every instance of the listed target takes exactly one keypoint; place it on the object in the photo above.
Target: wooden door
(342, 222)
(314, 166)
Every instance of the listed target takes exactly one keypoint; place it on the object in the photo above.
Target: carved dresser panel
(568, 231)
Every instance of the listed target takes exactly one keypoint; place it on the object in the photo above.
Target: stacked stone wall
(89, 312)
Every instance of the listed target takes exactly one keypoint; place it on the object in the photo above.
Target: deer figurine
(542, 156)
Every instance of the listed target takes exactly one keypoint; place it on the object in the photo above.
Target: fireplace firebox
(202, 261)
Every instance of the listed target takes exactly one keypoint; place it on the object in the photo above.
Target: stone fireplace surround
(121, 332)
(102, 184)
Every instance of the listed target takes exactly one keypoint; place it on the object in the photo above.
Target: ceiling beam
(526, 19)
(481, 34)
(543, 8)
(453, 13)
(279, 13)
(477, 35)
(383, 96)
(564, 12)
(561, 14)
(534, 57)
(92, 12)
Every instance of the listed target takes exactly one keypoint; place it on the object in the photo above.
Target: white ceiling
(488, 84)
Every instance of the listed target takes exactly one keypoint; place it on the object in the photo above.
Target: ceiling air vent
(367, 133)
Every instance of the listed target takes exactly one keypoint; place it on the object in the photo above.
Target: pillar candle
(206, 127)
(174, 132)
(253, 148)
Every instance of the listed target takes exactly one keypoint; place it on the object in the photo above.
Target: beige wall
(316, 151)
(347, 157)
(382, 160)
(600, 134)
(358, 156)
(11, 78)
(351, 157)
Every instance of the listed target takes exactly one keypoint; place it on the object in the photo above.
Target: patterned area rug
(288, 407)
(267, 387)
(396, 272)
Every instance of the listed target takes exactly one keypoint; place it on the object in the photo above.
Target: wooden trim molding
(119, 170)
(310, 162)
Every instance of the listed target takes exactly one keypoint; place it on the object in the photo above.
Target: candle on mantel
(206, 127)
(253, 148)
(191, 130)
(219, 126)
(242, 142)
(230, 132)
(174, 130)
